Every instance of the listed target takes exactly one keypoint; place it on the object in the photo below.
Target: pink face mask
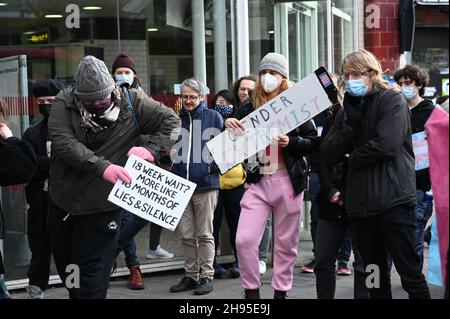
(99, 108)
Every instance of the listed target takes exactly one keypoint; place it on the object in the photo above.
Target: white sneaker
(159, 253)
(262, 267)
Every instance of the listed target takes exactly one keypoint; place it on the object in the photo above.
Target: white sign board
(279, 116)
(420, 146)
(153, 194)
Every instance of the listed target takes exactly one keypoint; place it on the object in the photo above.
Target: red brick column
(384, 41)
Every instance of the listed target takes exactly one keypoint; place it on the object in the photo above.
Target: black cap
(47, 87)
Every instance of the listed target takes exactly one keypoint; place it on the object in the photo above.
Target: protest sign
(153, 194)
(279, 116)
(420, 146)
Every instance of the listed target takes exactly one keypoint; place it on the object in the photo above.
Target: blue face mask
(409, 92)
(122, 79)
(224, 109)
(356, 87)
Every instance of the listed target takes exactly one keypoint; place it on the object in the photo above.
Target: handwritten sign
(153, 194)
(279, 116)
(420, 146)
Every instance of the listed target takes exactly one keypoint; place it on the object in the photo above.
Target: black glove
(353, 108)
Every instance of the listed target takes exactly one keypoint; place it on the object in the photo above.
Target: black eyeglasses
(190, 97)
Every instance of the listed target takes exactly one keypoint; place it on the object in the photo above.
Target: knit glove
(115, 172)
(141, 152)
(353, 108)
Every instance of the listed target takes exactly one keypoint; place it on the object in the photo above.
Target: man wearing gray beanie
(94, 128)
(92, 79)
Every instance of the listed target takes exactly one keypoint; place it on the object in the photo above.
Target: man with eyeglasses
(412, 81)
(192, 162)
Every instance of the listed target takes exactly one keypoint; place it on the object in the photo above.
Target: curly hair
(414, 73)
(237, 84)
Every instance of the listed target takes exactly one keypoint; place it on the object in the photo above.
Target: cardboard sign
(420, 146)
(153, 194)
(279, 116)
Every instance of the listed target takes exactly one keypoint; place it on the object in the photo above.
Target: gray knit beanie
(275, 62)
(92, 79)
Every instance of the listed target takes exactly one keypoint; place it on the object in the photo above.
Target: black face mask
(45, 110)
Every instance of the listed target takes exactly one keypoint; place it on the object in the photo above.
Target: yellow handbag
(233, 178)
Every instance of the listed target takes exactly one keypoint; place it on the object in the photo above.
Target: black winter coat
(381, 162)
(302, 141)
(332, 176)
(37, 190)
(17, 165)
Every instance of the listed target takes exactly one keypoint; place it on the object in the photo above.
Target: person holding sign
(94, 128)
(192, 162)
(242, 90)
(412, 81)
(380, 187)
(279, 191)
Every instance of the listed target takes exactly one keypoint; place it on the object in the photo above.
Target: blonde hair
(260, 97)
(364, 62)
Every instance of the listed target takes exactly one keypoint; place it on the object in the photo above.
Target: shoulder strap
(131, 106)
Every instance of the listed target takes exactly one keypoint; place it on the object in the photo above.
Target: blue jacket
(194, 162)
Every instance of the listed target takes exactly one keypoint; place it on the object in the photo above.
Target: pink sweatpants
(274, 193)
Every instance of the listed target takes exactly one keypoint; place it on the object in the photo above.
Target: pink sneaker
(343, 271)
(309, 267)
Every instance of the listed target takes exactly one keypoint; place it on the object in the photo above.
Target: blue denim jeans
(423, 212)
(346, 248)
(131, 225)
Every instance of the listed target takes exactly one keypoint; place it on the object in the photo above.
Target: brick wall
(384, 41)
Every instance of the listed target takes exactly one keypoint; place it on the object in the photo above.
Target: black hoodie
(419, 116)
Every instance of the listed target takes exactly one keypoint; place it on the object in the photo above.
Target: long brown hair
(260, 97)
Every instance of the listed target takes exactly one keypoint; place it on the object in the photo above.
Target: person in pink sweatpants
(274, 185)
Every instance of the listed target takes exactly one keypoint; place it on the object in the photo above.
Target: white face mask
(269, 82)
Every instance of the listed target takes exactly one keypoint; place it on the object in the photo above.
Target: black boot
(277, 294)
(252, 294)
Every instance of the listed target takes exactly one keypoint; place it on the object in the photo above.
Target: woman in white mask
(279, 190)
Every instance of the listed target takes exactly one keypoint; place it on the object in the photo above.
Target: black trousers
(391, 233)
(229, 201)
(329, 237)
(39, 269)
(86, 241)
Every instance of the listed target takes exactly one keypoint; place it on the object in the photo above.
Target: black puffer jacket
(419, 116)
(381, 163)
(302, 141)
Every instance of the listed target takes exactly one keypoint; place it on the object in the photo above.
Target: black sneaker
(187, 283)
(205, 287)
